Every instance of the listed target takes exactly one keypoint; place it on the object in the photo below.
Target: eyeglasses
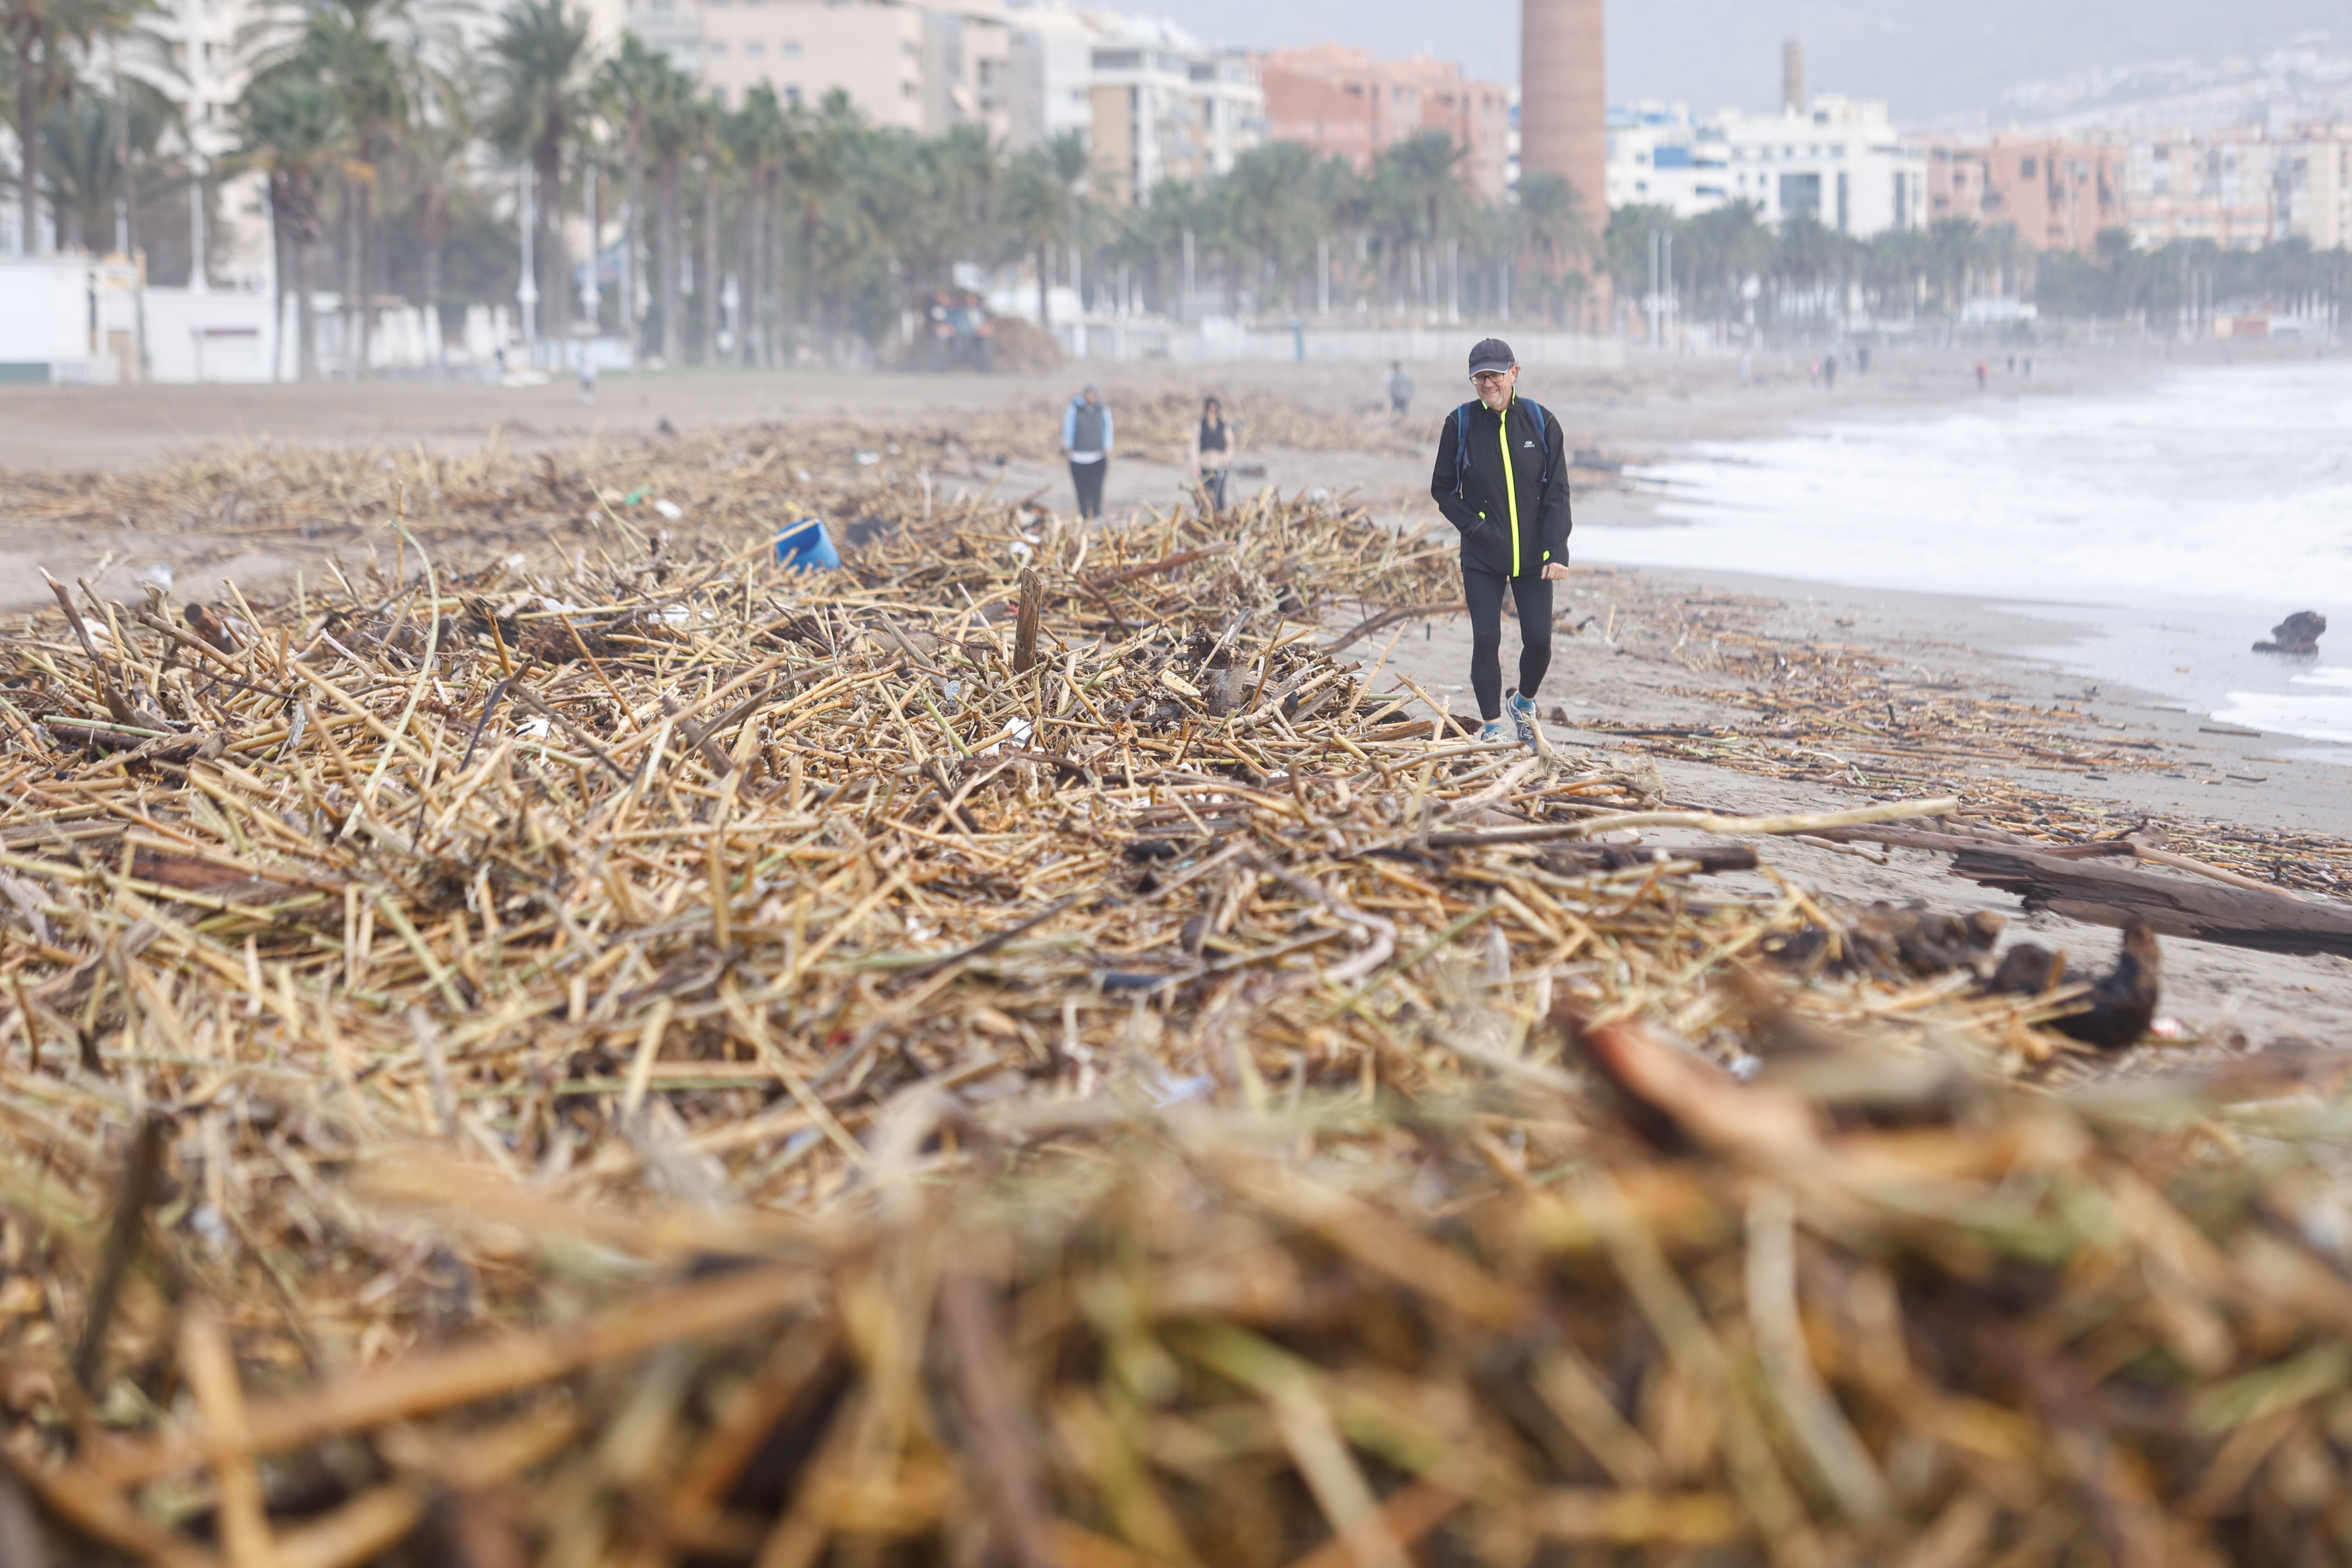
(1490, 378)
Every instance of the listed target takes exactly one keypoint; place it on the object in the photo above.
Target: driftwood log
(2101, 894)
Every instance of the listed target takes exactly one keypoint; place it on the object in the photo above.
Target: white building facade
(1840, 159)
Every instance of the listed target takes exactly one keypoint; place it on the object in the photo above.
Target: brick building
(2057, 194)
(1342, 102)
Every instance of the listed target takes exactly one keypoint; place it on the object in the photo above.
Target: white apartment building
(1051, 90)
(1840, 159)
(1655, 159)
(2243, 187)
(1151, 101)
(873, 51)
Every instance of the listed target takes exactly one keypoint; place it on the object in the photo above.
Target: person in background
(1400, 388)
(1086, 442)
(1829, 373)
(587, 373)
(1982, 372)
(1501, 480)
(1214, 446)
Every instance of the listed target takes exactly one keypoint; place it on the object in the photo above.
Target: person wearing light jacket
(1086, 442)
(1501, 480)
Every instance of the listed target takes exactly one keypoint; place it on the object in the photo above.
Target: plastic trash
(670, 510)
(805, 546)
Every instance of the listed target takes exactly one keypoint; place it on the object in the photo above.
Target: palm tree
(539, 66)
(1551, 229)
(625, 88)
(1954, 244)
(290, 124)
(672, 123)
(88, 155)
(1266, 183)
(1041, 203)
(755, 136)
(1418, 185)
(45, 40)
(369, 53)
(433, 167)
(711, 152)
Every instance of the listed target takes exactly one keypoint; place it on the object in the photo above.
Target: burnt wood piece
(2122, 1001)
(2105, 895)
(1579, 859)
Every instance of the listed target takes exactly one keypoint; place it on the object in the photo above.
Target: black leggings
(1484, 591)
(1088, 479)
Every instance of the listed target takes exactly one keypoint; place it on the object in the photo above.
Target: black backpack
(1462, 436)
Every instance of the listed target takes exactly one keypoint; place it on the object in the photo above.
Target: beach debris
(2122, 1001)
(2087, 889)
(2297, 637)
(779, 1083)
(1829, 712)
(807, 546)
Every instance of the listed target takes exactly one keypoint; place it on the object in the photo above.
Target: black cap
(1492, 354)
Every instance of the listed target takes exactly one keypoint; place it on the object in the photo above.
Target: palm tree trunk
(554, 284)
(278, 276)
(708, 283)
(365, 370)
(632, 241)
(306, 320)
(28, 145)
(667, 179)
(746, 282)
(435, 237)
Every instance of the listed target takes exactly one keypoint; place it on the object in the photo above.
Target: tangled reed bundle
(1012, 1053)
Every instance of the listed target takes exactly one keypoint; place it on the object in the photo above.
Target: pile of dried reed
(1012, 1053)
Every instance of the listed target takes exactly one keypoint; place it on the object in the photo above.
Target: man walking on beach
(1501, 481)
(1400, 390)
(1086, 442)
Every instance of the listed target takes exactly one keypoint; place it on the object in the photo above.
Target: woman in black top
(1214, 445)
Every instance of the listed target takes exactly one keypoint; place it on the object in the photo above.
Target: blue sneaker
(1494, 730)
(1522, 710)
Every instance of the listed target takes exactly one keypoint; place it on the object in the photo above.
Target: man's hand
(1555, 571)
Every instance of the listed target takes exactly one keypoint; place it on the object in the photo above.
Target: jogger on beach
(1501, 481)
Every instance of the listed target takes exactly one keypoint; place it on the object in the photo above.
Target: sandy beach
(1625, 660)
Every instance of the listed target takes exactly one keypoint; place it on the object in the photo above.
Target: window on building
(718, 50)
(2025, 169)
(791, 51)
(752, 50)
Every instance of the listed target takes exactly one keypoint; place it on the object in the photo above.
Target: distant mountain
(1931, 61)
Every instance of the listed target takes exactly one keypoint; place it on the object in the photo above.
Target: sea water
(2175, 523)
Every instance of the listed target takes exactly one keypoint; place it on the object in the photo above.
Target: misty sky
(1932, 58)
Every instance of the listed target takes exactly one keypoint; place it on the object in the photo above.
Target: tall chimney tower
(1792, 77)
(1564, 100)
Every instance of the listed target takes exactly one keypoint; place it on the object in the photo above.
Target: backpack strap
(1461, 437)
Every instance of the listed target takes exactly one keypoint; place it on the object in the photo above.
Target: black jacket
(1494, 537)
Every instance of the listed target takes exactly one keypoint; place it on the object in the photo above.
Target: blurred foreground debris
(1018, 1055)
